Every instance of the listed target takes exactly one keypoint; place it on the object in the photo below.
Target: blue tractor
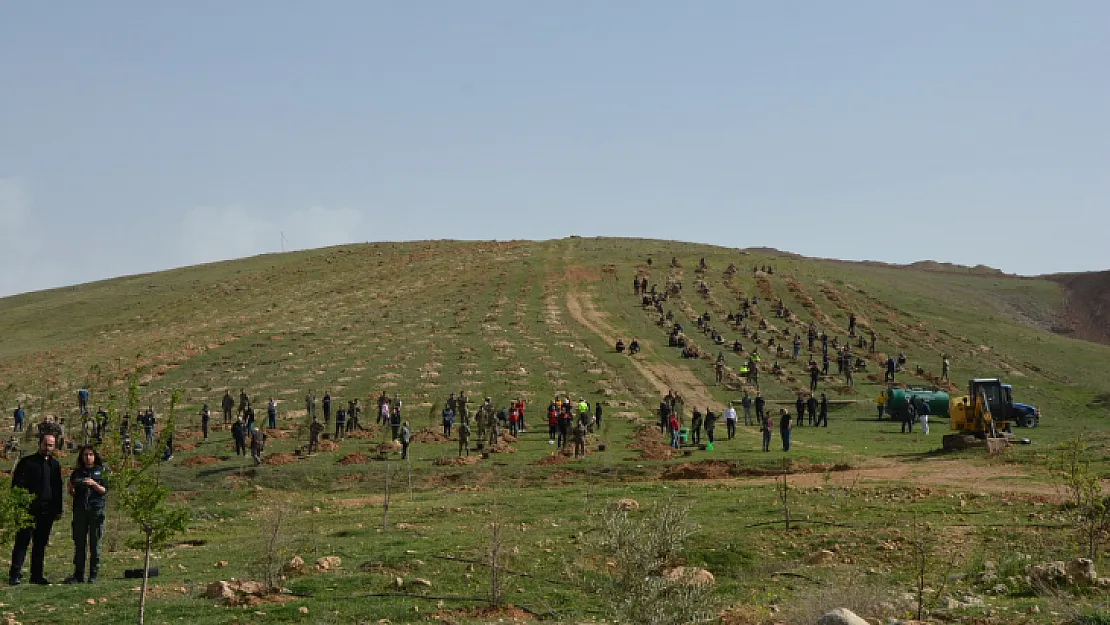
(1024, 415)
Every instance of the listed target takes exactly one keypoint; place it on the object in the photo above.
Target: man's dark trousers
(39, 534)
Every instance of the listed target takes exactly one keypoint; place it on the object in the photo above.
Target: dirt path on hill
(662, 376)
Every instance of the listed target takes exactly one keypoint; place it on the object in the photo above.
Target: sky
(137, 136)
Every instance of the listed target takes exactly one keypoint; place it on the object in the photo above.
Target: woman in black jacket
(88, 484)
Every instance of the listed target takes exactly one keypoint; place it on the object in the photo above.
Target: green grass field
(531, 320)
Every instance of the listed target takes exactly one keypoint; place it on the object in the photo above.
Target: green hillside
(532, 320)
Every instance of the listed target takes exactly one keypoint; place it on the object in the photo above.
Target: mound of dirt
(328, 446)
(460, 461)
(354, 458)
(704, 470)
(282, 434)
(199, 461)
(278, 460)
(429, 435)
(390, 446)
(371, 431)
(557, 458)
(650, 447)
(502, 448)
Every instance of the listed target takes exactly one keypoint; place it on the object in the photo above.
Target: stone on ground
(841, 616)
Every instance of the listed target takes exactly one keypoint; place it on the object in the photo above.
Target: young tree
(15, 506)
(142, 497)
(1089, 508)
(637, 553)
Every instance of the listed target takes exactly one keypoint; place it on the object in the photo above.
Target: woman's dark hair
(97, 462)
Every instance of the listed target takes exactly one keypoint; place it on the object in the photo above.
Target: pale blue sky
(144, 135)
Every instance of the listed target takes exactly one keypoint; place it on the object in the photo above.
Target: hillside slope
(316, 318)
(1086, 305)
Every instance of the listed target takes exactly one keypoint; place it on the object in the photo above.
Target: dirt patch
(705, 470)
(502, 448)
(278, 460)
(506, 613)
(650, 447)
(371, 431)
(354, 458)
(199, 461)
(282, 434)
(359, 502)
(429, 435)
(460, 461)
(328, 446)
(555, 459)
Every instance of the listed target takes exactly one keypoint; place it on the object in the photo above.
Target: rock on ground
(328, 563)
(841, 616)
(695, 576)
(295, 565)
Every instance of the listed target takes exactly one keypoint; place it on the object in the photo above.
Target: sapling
(142, 496)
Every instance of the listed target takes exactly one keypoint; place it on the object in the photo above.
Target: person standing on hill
(448, 416)
(326, 403)
(765, 430)
(18, 414)
(41, 476)
(597, 415)
(314, 431)
(88, 484)
(785, 428)
(852, 324)
(944, 368)
(580, 440)
(340, 423)
(271, 414)
(871, 348)
(891, 367)
(674, 426)
(719, 368)
(909, 416)
(239, 435)
(923, 415)
(244, 401)
(228, 406)
(258, 445)
(811, 408)
(880, 403)
(205, 415)
(406, 438)
(464, 438)
(250, 419)
(310, 406)
(800, 406)
(83, 401)
(463, 411)
(710, 424)
(760, 405)
(695, 426)
(730, 421)
(746, 404)
(395, 423)
(823, 414)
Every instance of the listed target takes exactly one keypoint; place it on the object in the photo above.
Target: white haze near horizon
(138, 137)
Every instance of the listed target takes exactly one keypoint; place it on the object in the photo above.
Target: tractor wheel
(1028, 421)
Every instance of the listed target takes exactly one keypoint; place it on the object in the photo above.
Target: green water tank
(897, 404)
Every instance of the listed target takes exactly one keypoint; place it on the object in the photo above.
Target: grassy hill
(532, 320)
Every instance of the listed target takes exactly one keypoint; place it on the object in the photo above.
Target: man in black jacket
(41, 475)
